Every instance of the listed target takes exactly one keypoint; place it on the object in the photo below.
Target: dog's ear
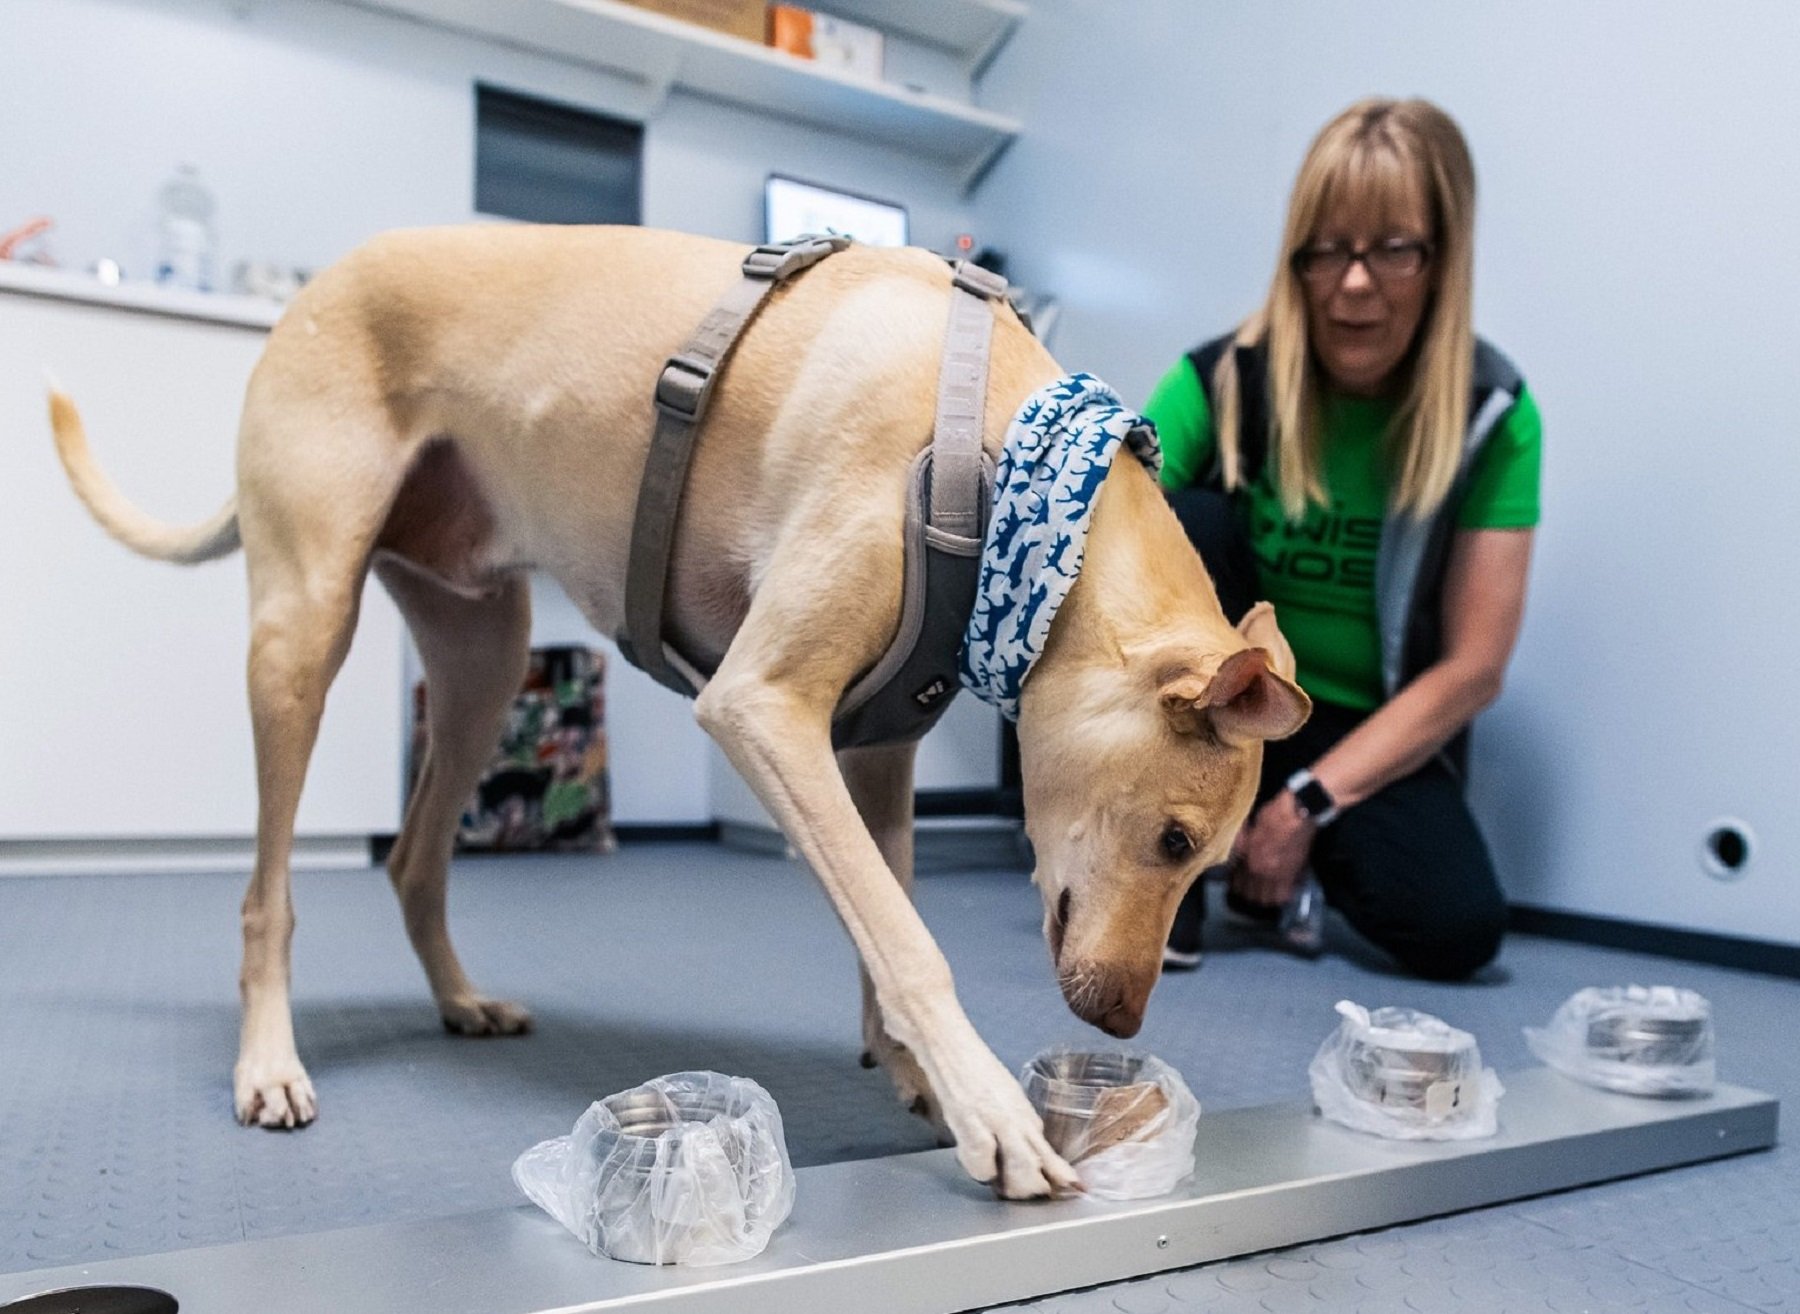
(1246, 698)
(1250, 699)
(1260, 631)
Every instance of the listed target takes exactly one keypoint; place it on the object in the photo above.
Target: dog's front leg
(881, 784)
(779, 739)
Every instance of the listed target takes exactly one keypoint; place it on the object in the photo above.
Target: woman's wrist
(1311, 799)
(1336, 782)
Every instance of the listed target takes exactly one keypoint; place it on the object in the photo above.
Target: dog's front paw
(273, 1094)
(1000, 1141)
(475, 1016)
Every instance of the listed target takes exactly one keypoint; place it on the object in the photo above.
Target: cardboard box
(738, 18)
(834, 42)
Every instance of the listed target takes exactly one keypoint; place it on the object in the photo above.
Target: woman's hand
(1271, 852)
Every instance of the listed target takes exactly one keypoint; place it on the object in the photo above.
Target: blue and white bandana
(1058, 450)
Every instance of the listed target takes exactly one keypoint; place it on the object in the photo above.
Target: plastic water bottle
(1302, 924)
(1299, 924)
(185, 240)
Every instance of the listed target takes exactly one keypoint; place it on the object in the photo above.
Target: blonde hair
(1388, 149)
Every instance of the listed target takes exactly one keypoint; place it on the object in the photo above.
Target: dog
(451, 408)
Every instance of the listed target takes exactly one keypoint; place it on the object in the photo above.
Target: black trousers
(1407, 866)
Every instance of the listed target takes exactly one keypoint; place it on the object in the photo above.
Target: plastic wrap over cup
(1405, 1075)
(1641, 1041)
(1125, 1120)
(686, 1169)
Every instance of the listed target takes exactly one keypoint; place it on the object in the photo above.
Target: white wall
(1637, 256)
(122, 695)
(317, 125)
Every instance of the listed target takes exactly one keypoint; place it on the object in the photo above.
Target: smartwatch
(1311, 798)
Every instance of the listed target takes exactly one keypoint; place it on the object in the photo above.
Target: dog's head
(1136, 779)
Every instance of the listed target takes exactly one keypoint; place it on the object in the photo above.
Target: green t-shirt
(1320, 572)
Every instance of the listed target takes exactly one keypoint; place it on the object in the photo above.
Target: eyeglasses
(1325, 264)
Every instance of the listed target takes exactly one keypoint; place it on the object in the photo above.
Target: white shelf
(665, 53)
(151, 298)
(972, 30)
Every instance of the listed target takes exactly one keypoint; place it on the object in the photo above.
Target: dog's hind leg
(301, 624)
(880, 780)
(474, 650)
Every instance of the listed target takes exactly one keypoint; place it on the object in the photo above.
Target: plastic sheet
(1124, 1119)
(1405, 1075)
(1655, 1040)
(686, 1169)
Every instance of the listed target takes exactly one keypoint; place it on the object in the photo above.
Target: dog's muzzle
(1113, 999)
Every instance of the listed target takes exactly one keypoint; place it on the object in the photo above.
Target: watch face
(1313, 799)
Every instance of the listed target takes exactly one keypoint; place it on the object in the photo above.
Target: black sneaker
(1259, 914)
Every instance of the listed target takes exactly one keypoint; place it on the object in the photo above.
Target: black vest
(1414, 554)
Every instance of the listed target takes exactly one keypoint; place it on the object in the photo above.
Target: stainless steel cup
(1429, 1080)
(652, 1128)
(1625, 1037)
(1067, 1089)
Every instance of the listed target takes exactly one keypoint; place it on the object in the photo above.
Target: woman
(1357, 456)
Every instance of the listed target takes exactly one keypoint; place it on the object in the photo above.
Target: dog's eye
(1177, 844)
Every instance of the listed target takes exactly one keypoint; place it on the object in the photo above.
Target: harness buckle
(684, 387)
(984, 283)
(781, 260)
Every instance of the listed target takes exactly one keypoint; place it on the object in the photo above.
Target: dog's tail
(188, 545)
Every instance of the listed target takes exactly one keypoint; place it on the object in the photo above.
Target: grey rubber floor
(118, 1024)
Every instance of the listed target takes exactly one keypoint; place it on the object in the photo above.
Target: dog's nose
(1115, 1001)
(1121, 1021)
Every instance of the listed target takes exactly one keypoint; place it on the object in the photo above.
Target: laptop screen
(792, 207)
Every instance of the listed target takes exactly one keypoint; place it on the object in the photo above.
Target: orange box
(835, 42)
(738, 18)
(790, 29)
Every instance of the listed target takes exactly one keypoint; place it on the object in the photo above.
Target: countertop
(147, 298)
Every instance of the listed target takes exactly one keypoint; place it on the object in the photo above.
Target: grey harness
(904, 693)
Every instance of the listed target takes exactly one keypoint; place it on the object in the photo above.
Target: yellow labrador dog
(455, 407)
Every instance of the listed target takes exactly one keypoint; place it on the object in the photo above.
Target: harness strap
(683, 391)
(956, 472)
(903, 694)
